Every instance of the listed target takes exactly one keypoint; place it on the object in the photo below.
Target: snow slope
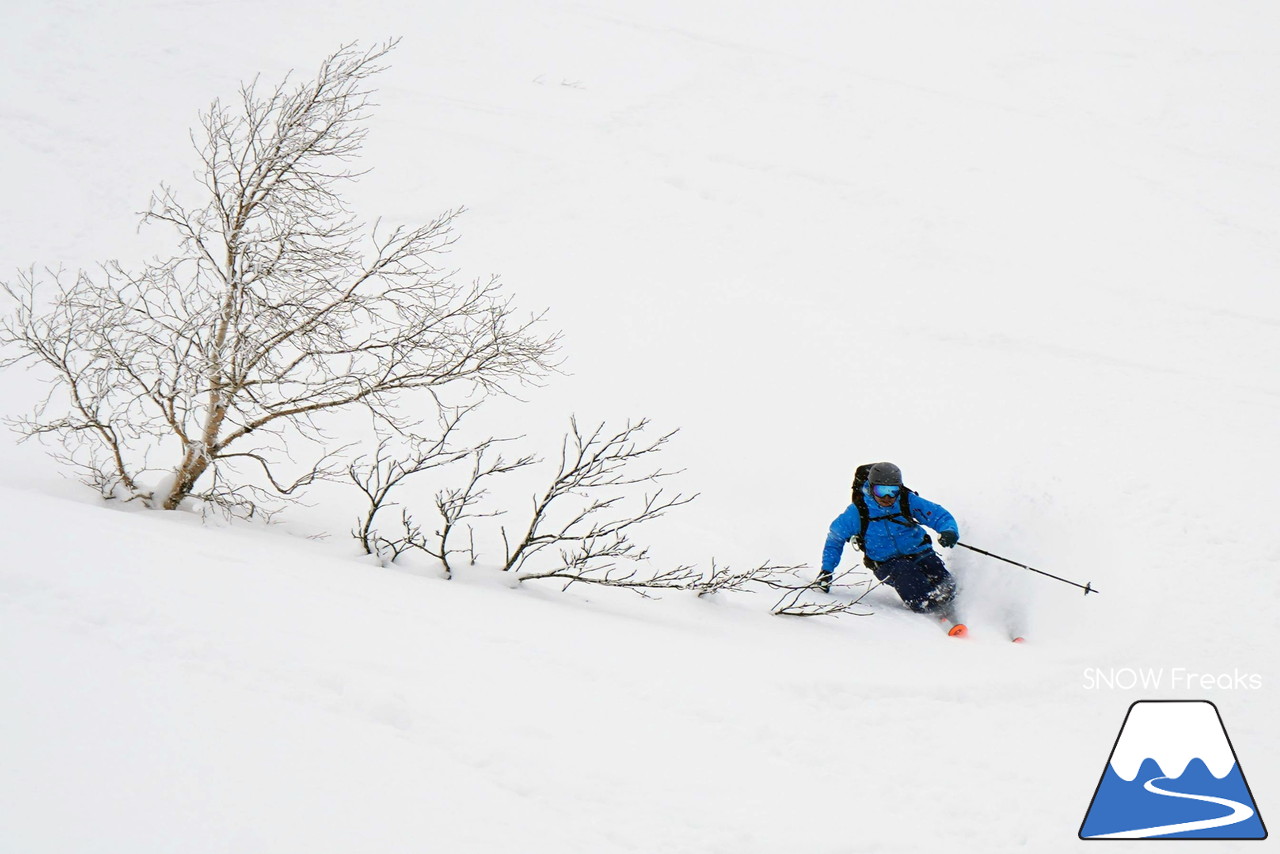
(1025, 251)
(260, 694)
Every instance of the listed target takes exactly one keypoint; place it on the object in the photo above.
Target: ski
(956, 629)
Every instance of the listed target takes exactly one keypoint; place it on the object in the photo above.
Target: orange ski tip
(959, 630)
(1019, 640)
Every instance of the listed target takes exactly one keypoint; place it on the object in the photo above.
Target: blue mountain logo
(1173, 774)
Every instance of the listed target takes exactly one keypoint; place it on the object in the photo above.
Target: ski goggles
(880, 490)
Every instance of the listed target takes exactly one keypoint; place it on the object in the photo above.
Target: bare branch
(584, 566)
(593, 468)
(768, 575)
(795, 601)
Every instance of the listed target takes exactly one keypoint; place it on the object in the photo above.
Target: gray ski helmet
(885, 474)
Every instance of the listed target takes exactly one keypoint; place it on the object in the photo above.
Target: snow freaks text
(1167, 678)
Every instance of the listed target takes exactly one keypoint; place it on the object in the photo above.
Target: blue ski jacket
(889, 532)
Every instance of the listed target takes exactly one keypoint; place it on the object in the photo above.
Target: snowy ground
(1025, 251)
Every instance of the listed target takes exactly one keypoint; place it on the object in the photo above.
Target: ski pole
(1087, 587)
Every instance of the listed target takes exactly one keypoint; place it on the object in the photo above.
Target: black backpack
(860, 476)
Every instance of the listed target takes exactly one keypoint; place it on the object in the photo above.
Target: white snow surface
(1172, 734)
(1025, 251)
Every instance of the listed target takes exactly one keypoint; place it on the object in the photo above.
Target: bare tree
(584, 513)
(278, 306)
(584, 517)
(454, 504)
(386, 472)
(592, 533)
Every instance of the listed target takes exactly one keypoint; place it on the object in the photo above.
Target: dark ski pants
(921, 580)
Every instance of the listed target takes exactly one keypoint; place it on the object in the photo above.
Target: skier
(884, 522)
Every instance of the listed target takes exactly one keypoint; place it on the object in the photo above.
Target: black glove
(947, 539)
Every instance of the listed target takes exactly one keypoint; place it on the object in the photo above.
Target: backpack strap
(911, 517)
(903, 517)
(860, 501)
(906, 506)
